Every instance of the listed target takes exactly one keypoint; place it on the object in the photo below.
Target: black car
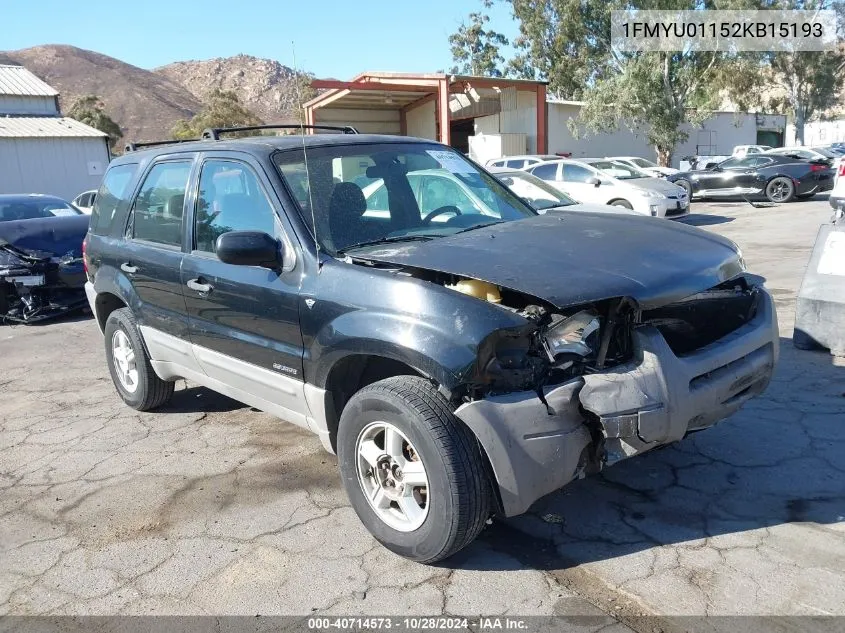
(780, 178)
(41, 270)
(463, 355)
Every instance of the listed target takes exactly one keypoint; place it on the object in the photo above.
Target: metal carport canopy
(405, 91)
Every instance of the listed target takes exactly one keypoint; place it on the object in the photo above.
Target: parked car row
(779, 174)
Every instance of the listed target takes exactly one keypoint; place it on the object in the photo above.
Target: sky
(331, 38)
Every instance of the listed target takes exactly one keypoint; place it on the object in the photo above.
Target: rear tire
(404, 425)
(129, 364)
(621, 203)
(780, 189)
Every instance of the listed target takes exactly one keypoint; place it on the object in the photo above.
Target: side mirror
(249, 248)
(713, 167)
(592, 180)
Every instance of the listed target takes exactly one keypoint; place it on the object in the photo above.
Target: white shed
(40, 150)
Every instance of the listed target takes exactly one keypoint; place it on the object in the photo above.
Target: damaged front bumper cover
(657, 399)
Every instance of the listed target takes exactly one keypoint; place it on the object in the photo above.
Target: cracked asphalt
(210, 507)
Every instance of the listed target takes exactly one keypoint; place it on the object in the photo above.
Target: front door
(244, 320)
(734, 173)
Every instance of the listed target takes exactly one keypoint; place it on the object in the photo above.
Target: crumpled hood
(47, 237)
(571, 258)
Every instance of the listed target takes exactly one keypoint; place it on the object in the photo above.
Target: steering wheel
(449, 208)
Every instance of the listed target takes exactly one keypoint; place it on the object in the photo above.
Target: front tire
(414, 473)
(129, 364)
(780, 189)
(621, 203)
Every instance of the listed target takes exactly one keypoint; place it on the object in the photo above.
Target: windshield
(620, 171)
(31, 209)
(642, 162)
(536, 192)
(364, 194)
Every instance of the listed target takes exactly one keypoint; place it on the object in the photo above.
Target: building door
(461, 131)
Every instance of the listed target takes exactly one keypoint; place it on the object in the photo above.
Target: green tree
(805, 83)
(658, 94)
(475, 49)
(90, 110)
(222, 109)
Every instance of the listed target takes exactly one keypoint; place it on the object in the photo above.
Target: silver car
(604, 181)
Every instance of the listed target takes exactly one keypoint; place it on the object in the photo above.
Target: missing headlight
(570, 338)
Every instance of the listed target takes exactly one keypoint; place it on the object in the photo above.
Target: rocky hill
(145, 104)
(264, 86)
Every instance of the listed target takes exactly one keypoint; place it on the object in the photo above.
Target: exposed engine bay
(560, 345)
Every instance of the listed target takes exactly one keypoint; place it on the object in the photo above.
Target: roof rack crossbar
(215, 132)
(131, 147)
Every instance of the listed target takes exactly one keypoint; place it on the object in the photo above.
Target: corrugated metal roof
(17, 80)
(44, 127)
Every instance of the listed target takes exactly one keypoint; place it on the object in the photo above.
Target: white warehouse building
(40, 150)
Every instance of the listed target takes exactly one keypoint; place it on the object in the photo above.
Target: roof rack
(214, 133)
(131, 147)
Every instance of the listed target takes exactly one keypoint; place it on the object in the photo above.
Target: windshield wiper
(386, 240)
(479, 226)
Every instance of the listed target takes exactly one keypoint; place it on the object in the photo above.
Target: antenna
(305, 154)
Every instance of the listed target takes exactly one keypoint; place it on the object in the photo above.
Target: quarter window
(113, 195)
(157, 215)
(230, 199)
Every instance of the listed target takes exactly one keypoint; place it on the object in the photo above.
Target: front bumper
(662, 208)
(654, 400)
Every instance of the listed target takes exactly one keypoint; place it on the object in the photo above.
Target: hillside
(264, 86)
(145, 104)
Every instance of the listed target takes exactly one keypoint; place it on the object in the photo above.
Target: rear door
(150, 257)
(244, 320)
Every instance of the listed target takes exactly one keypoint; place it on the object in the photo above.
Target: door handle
(128, 268)
(194, 284)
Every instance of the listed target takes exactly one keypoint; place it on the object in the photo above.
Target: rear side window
(516, 164)
(546, 172)
(157, 214)
(112, 197)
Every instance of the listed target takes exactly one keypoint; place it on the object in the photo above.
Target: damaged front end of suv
(583, 388)
(667, 336)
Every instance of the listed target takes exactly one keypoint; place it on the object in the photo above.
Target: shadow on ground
(199, 400)
(779, 460)
(700, 219)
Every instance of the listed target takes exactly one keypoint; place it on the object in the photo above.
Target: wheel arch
(351, 373)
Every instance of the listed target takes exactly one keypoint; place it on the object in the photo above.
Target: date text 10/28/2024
(416, 623)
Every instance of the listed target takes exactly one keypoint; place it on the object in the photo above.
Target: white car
(741, 151)
(85, 201)
(520, 162)
(542, 197)
(647, 166)
(605, 181)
